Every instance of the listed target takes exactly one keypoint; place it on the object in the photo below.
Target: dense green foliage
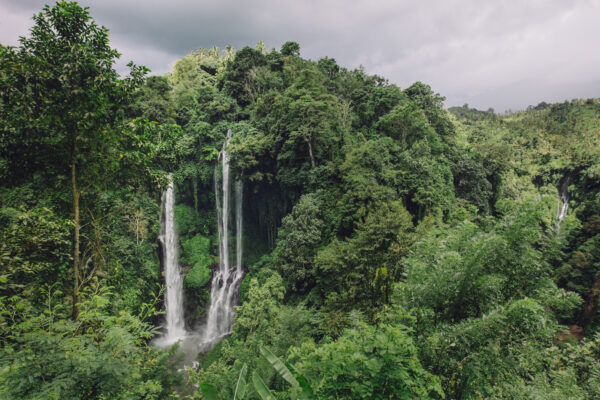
(392, 248)
(368, 363)
(80, 217)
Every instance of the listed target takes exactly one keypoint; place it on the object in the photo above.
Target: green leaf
(262, 389)
(307, 391)
(240, 387)
(209, 392)
(279, 366)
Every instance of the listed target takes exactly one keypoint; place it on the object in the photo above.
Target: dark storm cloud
(501, 54)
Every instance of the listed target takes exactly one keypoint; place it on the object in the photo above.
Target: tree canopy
(392, 248)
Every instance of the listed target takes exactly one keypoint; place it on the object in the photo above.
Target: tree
(470, 180)
(99, 356)
(34, 255)
(469, 270)
(154, 101)
(433, 105)
(63, 102)
(370, 176)
(367, 362)
(297, 239)
(310, 115)
(359, 272)
(290, 49)
(237, 79)
(407, 123)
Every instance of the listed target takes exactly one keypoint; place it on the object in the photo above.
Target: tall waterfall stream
(563, 199)
(175, 324)
(226, 278)
(563, 202)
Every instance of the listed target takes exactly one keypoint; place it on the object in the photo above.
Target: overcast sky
(500, 54)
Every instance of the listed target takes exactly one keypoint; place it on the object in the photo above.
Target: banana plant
(260, 387)
(240, 386)
(209, 392)
(301, 388)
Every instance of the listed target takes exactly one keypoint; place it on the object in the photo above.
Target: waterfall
(227, 278)
(563, 199)
(175, 324)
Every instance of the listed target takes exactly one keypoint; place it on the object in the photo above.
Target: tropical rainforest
(393, 248)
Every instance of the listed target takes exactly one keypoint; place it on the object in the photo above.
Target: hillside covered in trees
(392, 248)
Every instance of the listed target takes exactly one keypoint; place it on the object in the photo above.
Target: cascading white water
(563, 199)
(175, 324)
(226, 280)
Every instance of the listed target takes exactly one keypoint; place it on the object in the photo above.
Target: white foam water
(227, 278)
(175, 323)
(563, 199)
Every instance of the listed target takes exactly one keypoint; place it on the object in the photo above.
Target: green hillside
(393, 249)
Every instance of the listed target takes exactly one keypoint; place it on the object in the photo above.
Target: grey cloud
(501, 54)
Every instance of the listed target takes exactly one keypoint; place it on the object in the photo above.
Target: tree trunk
(76, 260)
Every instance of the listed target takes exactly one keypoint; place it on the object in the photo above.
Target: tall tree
(63, 104)
(310, 113)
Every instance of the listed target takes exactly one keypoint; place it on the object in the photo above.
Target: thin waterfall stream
(227, 278)
(563, 199)
(562, 206)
